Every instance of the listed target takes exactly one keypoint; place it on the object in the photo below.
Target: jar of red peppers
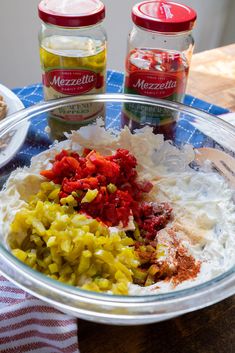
(73, 57)
(160, 48)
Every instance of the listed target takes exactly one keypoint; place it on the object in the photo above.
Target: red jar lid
(163, 16)
(76, 13)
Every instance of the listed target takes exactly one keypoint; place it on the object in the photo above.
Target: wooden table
(211, 330)
(212, 76)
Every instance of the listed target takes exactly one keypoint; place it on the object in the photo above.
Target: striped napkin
(29, 325)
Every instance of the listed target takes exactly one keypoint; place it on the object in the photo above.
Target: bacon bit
(152, 217)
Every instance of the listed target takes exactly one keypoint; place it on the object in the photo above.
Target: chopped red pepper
(94, 171)
(49, 174)
(69, 186)
(62, 154)
(109, 169)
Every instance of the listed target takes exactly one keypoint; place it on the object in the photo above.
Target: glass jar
(160, 48)
(73, 57)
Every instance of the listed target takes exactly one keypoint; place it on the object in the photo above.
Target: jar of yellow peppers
(73, 55)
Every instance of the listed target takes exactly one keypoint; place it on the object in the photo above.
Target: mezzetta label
(155, 85)
(70, 82)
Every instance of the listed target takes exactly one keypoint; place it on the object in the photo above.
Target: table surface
(212, 76)
(210, 330)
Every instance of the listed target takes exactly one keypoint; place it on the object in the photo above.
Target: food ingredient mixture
(3, 108)
(120, 214)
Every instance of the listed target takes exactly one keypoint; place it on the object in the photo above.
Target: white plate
(14, 141)
(13, 102)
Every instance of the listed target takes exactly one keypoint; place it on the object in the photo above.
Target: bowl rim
(205, 287)
(45, 106)
(28, 113)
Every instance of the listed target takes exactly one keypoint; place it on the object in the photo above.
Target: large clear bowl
(25, 134)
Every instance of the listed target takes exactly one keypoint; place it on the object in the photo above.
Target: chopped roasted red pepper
(69, 186)
(62, 154)
(92, 171)
(109, 169)
(49, 174)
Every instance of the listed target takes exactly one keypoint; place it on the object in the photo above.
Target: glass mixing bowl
(26, 134)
